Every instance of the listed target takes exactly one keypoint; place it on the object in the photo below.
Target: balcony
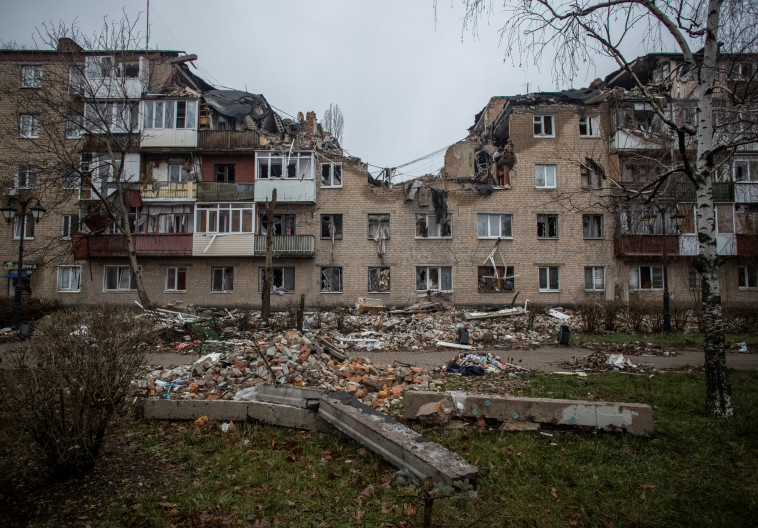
(629, 139)
(286, 246)
(290, 190)
(746, 192)
(224, 192)
(645, 245)
(168, 190)
(168, 137)
(726, 244)
(159, 244)
(228, 139)
(722, 192)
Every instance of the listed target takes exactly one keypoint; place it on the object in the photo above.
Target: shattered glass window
(547, 226)
(331, 175)
(543, 126)
(590, 178)
(436, 278)
(427, 226)
(378, 279)
(589, 126)
(282, 279)
(549, 278)
(284, 224)
(378, 226)
(331, 226)
(498, 279)
(331, 279)
(222, 280)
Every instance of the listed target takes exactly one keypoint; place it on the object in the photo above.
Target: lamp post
(9, 213)
(676, 219)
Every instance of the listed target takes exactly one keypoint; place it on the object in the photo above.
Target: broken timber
(634, 418)
(331, 349)
(397, 444)
(505, 312)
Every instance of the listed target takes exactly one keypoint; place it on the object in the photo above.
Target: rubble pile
(632, 349)
(601, 361)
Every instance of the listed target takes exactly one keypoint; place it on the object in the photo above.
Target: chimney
(310, 124)
(68, 44)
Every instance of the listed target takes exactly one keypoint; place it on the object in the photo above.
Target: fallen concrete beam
(288, 416)
(505, 312)
(305, 398)
(398, 444)
(635, 418)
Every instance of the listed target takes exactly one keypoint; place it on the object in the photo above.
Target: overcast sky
(407, 84)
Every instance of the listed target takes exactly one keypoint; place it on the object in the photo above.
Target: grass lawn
(674, 339)
(694, 471)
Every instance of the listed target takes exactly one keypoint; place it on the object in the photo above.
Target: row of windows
(589, 126)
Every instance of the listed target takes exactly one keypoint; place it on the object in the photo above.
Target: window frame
(592, 178)
(593, 278)
(334, 219)
(490, 216)
(441, 272)
(68, 288)
(184, 176)
(747, 162)
(322, 279)
(28, 226)
(744, 276)
(587, 226)
(281, 220)
(591, 125)
(545, 176)
(303, 162)
(227, 276)
(377, 270)
(652, 274)
(286, 272)
(120, 270)
(379, 223)
(551, 272)
(694, 279)
(179, 275)
(33, 81)
(68, 226)
(169, 114)
(226, 171)
(73, 126)
(539, 120)
(484, 274)
(331, 177)
(224, 213)
(425, 217)
(544, 218)
(30, 172)
(28, 126)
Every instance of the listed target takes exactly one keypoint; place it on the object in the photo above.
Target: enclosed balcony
(286, 246)
(168, 244)
(722, 192)
(746, 192)
(292, 174)
(163, 190)
(224, 192)
(228, 140)
(646, 245)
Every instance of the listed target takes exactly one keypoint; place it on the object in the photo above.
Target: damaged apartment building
(531, 205)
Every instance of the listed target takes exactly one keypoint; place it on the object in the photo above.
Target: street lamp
(9, 213)
(676, 219)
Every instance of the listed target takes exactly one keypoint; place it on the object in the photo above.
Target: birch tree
(709, 35)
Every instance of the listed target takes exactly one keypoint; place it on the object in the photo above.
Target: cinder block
(397, 444)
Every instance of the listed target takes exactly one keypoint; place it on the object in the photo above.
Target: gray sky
(407, 85)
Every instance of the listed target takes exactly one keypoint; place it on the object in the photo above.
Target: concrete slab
(396, 443)
(221, 410)
(634, 418)
(302, 397)
(288, 416)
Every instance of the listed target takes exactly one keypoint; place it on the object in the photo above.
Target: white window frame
(635, 278)
(441, 272)
(69, 225)
(588, 224)
(177, 171)
(169, 114)
(591, 125)
(31, 76)
(597, 274)
(377, 270)
(539, 125)
(542, 177)
(67, 275)
(103, 116)
(333, 181)
(172, 279)
(26, 177)
(331, 222)
(28, 126)
(323, 280)
(73, 126)
(102, 67)
(550, 273)
(744, 275)
(485, 275)
(227, 276)
(750, 169)
(484, 225)
(229, 216)
(298, 165)
(120, 272)
(28, 226)
(430, 221)
(288, 276)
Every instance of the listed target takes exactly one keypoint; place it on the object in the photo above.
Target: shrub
(65, 383)
(31, 309)
(612, 311)
(590, 314)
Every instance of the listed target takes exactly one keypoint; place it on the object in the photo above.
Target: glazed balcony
(159, 244)
(646, 245)
(722, 192)
(224, 192)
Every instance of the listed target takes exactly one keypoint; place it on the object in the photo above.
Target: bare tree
(725, 112)
(333, 121)
(87, 113)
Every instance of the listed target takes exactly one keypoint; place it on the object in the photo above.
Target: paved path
(545, 359)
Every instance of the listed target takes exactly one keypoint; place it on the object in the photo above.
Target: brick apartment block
(531, 203)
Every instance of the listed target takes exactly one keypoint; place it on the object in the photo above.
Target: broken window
(746, 219)
(378, 225)
(101, 67)
(547, 226)
(548, 276)
(427, 226)
(169, 114)
(592, 225)
(176, 279)
(543, 126)
(272, 164)
(378, 280)
(494, 226)
(222, 280)
(223, 172)
(331, 279)
(498, 279)
(331, 175)
(589, 126)
(331, 226)
(282, 279)
(284, 224)
(434, 278)
(119, 278)
(594, 278)
(544, 176)
(176, 173)
(646, 278)
(591, 179)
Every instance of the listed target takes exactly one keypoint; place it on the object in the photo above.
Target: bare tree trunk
(131, 251)
(268, 276)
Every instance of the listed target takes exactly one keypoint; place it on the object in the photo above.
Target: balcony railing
(159, 244)
(224, 192)
(646, 245)
(164, 190)
(722, 192)
(286, 245)
(228, 139)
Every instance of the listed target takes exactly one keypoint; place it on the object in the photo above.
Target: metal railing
(291, 245)
(224, 192)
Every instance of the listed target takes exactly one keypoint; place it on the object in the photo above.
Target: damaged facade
(528, 205)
